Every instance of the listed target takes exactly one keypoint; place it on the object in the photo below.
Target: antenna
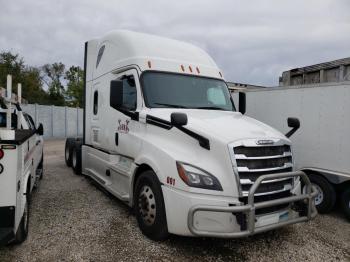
(8, 98)
(19, 93)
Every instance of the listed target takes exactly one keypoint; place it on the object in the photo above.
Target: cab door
(38, 141)
(123, 119)
(124, 130)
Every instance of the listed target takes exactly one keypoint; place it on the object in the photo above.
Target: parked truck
(162, 134)
(322, 145)
(21, 166)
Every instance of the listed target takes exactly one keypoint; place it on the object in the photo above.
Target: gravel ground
(73, 220)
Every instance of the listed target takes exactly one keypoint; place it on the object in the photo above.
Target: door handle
(116, 139)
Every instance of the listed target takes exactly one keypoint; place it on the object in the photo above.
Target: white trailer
(162, 134)
(21, 166)
(321, 146)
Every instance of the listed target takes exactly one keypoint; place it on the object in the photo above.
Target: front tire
(149, 207)
(325, 199)
(76, 159)
(68, 151)
(345, 202)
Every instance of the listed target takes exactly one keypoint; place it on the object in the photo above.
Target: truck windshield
(166, 90)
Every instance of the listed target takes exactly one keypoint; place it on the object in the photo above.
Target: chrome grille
(254, 161)
(259, 151)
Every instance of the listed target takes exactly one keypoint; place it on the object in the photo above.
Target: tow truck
(21, 166)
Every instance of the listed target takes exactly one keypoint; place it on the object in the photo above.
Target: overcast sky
(251, 41)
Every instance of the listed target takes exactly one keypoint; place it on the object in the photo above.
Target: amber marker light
(149, 64)
(182, 173)
(182, 68)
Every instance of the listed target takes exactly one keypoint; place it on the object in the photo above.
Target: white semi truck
(162, 134)
(322, 145)
(21, 166)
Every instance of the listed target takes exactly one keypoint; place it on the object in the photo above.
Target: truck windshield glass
(182, 91)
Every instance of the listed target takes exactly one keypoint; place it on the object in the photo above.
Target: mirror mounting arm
(242, 103)
(294, 123)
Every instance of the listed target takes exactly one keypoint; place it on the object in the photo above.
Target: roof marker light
(149, 64)
(182, 68)
(198, 70)
(189, 67)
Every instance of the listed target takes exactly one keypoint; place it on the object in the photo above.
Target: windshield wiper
(211, 107)
(170, 105)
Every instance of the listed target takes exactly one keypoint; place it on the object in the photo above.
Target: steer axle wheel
(326, 196)
(149, 207)
(76, 159)
(68, 151)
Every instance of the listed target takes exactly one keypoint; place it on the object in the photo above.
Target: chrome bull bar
(250, 207)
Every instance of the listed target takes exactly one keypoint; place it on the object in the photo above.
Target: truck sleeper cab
(162, 134)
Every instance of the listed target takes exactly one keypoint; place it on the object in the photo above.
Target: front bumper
(6, 235)
(250, 209)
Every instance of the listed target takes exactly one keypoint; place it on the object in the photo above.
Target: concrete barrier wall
(58, 121)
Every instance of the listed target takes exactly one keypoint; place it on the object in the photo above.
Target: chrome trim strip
(241, 156)
(247, 181)
(246, 169)
(287, 187)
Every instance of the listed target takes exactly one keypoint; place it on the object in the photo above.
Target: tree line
(50, 84)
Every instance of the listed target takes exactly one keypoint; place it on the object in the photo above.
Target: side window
(99, 55)
(26, 117)
(95, 103)
(129, 93)
(30, 119)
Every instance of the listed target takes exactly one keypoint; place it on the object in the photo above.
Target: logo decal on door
(123, 127)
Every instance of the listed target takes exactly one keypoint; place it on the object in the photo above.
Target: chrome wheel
(147, 205)
(319, 197)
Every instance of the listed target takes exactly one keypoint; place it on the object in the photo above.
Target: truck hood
(226, 126)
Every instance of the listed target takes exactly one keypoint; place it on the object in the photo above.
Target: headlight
(196, 177)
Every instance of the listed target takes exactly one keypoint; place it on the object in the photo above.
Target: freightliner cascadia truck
(162, 134)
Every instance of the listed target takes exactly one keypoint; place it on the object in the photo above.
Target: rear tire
(345, 202)
(149, 207)
(68, 151)
(326, 198)
(76, 159)
(22, 231)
